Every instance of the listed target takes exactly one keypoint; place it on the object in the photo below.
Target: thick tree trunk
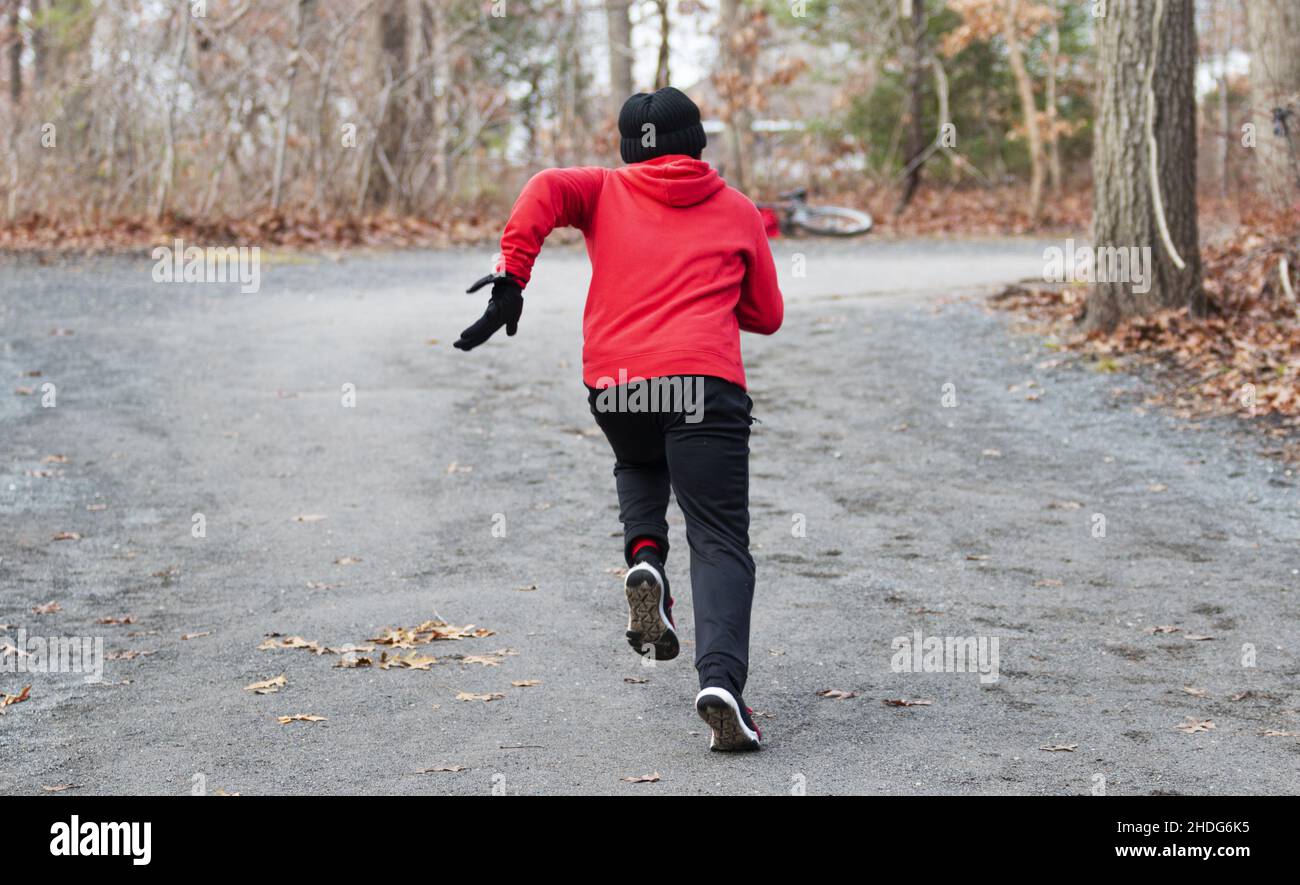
(1144, 159)
(917, 143)
(1028, 108)
(620, 51)
(1274, 36)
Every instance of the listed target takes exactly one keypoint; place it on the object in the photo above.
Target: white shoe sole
(720, 711)
(647, 618)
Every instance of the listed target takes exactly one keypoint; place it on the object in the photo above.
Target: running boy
(680, 264)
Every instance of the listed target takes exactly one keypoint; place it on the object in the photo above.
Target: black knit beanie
(674, 126)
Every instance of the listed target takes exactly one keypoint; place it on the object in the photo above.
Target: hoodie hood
(673, 179)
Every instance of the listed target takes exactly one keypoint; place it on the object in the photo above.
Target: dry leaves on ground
(8, 700)
(299, 717)
(267, 686)
(836, 694)
(485, 698)
(644, 778)
(1192, 725)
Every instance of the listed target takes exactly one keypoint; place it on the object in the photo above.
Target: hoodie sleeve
(552, 198)
(760, 308)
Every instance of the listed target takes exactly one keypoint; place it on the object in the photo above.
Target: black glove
(504, 308)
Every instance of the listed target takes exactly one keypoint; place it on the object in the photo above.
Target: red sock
(641, 543)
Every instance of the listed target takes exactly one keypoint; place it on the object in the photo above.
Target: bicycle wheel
(832, 221)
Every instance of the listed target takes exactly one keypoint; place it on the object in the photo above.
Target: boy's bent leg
(709, 465)
(640, 475)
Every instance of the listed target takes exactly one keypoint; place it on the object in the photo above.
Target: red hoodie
(680, 264)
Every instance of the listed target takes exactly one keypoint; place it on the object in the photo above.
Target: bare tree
(917, 144)
(620, 51)
(1028, 107)
(1274, 33)
(1145, 157)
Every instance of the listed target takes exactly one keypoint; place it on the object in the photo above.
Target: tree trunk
(662, 73)
(1274, 35)
(15, 55)
(1053, 137)
(1028, 108)
(392, 66)
(917, 143)
(286, 104)
(736, 76)
(620, 51)
(441, 47)
(1144, 159)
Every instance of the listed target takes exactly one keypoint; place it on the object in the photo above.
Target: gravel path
(975, 520)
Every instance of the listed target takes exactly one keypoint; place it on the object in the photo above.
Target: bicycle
(793, 214)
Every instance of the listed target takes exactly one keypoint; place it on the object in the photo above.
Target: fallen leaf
(1059, 748)
(485, 698)
(1195, 692)
(127, 655)
(1064, 505)
(1197, 637)
(319, 585)
(352, 662)
(1164, 628)
(299, 717)
(7, 700)
(904, 702)
(125, 619)
(1157, 487)
(485, 660)
(635, 680)
(528, 589)
(56, 788)
(441, 768)
(1191, 725)
(95, 508)
(836, 694)
(991, 453)
(1275, 733)
(290, 642)
(1049, 582)
(23, 391)
(526, 683)
(67, 536)
(309, 517)
(643, 778)
(199, 635)
(55, 459)
(267, 686)
(347, 560)
(977, 557)
(413, 661)
(1242, 695)
(46, 608)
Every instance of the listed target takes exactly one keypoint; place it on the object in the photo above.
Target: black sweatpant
(702, 454)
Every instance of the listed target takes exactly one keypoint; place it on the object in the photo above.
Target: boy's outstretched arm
(760, 308)
(552, 198)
